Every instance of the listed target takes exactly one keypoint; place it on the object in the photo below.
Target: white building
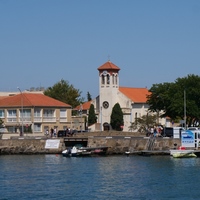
(132, 100)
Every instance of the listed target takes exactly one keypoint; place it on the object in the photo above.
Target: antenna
(108, 58)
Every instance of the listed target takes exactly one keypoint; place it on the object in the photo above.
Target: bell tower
(108, 90)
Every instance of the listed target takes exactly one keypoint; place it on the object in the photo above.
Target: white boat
(182, 153)
(75, 151)
(127, 153)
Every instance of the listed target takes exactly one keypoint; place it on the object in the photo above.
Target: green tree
(92, 119)
(116, 118)
(89, 97)
(169, 98)
(143, 123)
(65, 92)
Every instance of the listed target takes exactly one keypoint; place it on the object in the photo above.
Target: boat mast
(185, 117)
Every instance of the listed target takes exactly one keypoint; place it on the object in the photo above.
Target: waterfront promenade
(117, 143)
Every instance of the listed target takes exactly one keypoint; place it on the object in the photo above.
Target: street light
(22, 111)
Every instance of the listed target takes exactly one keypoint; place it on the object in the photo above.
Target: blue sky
(43, 41)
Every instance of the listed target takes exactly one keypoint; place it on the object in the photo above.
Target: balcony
(63, 119)
(25, 119)
(12, 119)
(37, 119)
(49, 119)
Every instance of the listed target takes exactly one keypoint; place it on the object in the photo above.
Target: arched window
(113, 79)
(116, 79)
(108, 79)
(102, 79)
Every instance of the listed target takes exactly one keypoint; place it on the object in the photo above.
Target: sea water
(91, 178)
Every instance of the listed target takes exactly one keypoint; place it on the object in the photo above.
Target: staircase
(151, 143)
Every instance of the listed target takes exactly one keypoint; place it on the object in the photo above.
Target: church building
(132, 100)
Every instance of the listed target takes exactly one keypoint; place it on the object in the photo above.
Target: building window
(11, 129)
(26, 113)
(105, 104)
(12, 116)
(2, 115)
(37, 127)
(63, 113)
(102, 79)
(37, 113)
(12, 113)
(48, 113)
(108, 79)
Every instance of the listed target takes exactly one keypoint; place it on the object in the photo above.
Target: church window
(102, 79)
(108, 79)
(105, 104)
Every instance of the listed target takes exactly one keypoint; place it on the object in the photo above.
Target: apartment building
(33, 112)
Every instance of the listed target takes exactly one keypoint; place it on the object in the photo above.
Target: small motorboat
(66, 152)
(183, 155)
(75, 151)
(182, 152)
(127, 153)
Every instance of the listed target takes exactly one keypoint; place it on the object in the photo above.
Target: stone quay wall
(133, 144)
(117, 143)
(120, 142)
(28, 146)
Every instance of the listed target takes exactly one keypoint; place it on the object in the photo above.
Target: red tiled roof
(137, 95)
(31, 99)
(3, 97)
(85, 106)
(108, 66)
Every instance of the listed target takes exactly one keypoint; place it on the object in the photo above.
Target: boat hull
(184, 155)
(179, 153)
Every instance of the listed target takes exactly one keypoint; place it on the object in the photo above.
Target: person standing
(51, 132)
(54, 132)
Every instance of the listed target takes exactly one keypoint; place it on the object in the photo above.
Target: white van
(177, 132)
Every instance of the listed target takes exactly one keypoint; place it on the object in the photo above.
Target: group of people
(155, 131)
(52, 133)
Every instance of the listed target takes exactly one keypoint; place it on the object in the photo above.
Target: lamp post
(22, 111)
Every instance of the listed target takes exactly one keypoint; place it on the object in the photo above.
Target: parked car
(66, 133)
(62, 133)
(174, 132)
(194, 128)
(167, 132)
